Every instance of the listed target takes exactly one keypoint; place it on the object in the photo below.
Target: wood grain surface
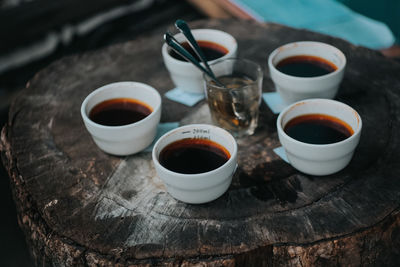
(80, 206)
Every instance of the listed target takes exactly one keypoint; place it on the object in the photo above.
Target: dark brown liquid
(210, 50)
(305, 66)
(318, 129)
(119, 111)
(192, 155)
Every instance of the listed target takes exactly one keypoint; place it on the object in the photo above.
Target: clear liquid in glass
(235, 108)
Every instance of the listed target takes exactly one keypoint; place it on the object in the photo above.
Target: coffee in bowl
(122, 117)
(305, 66)
(196, 162)
(193, 155)
(318, 129)
(216, 44)
(319, 135)
(211, 50)
(303, 70)
(119, 111)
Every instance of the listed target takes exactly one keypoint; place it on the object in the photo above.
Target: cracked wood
(79, 206)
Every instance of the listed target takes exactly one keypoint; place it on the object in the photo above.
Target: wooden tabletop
(80, 206)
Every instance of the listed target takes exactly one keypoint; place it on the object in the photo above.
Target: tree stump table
(80, 206)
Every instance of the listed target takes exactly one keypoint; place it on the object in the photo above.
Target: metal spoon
(178, 48)
(236, 99)
(185, 30)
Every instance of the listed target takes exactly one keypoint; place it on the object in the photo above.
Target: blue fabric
(274, 102)
(386, 11)
(280, 151)
(324, 16)
(162, 128)
(183, 97)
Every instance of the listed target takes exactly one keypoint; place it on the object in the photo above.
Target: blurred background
(34, 33)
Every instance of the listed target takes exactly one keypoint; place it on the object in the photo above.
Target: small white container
(202, 187)
(292, 88)
(126, 139)
(184, 74)
(319, 159)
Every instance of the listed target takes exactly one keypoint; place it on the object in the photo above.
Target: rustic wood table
(80, 206)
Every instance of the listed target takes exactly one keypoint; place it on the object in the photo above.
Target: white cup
(125, 139)
(201, 187)
(292, 88)
(184, 74)
(319, 159)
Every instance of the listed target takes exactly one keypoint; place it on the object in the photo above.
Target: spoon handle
(178, 48)
(184, 28)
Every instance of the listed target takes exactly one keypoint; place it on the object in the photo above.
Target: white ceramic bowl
(184, 74)
(202, 187)
(126, 139)
(292, 88)
(319, 159)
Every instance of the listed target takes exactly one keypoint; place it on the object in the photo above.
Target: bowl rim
(110, 86)
(178, 175)
(175, 61)
(277, 50)
(318, 146)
